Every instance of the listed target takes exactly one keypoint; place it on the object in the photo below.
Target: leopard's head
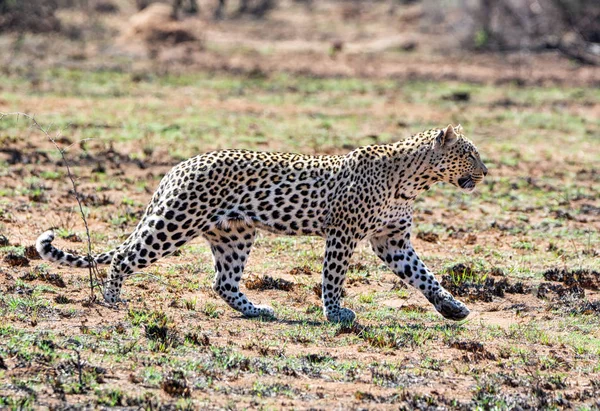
(456, 160)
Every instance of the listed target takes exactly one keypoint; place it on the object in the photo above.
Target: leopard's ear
(458, 129)
(446, 138)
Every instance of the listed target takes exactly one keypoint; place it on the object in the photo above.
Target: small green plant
(461, 274)
(524, 245)
(160, 332)
(487, 396)
(13, 402)
(397, 336)
(65, 233)
(110, 398)
(211, 310)
(190, 304)
(128, 201)
(367, 298)
(139, 317)
(10, 249)
(51, 175)
(152, 376)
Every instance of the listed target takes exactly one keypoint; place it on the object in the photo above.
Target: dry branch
(93, 271)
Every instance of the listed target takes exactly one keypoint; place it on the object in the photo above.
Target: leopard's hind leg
(154, 238)
(231, 247)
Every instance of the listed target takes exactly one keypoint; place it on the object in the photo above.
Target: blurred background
(528, 41)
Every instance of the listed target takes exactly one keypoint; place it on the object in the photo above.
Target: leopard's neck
(412, 170)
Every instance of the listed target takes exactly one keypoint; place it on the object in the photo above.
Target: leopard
(225, 196)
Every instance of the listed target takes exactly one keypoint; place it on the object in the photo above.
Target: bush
(37, 16)
(517, 24)
(582, 16)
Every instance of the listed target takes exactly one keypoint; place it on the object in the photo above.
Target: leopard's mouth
(467, 183)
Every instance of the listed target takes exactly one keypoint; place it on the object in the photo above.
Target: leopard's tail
(50, 253)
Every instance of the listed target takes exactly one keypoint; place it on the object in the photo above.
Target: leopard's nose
(485, 170)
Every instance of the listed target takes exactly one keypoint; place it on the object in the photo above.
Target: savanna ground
(522, 251)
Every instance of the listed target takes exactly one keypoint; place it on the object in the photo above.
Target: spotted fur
(224, 196)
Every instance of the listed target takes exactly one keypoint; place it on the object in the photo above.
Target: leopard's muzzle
(469, 182)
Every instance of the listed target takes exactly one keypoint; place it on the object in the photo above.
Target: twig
(83, 140)
(92, 264)
(79, 368)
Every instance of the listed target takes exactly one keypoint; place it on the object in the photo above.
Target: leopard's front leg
(397, 252)
(338, 250)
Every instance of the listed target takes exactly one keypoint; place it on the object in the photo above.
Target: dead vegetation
(587, 279)
(156, 24)
(176, 385)
(301, 270)
(16, 260)
(465, 281)
(474, 351)
(267, 282)
(40, 273)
